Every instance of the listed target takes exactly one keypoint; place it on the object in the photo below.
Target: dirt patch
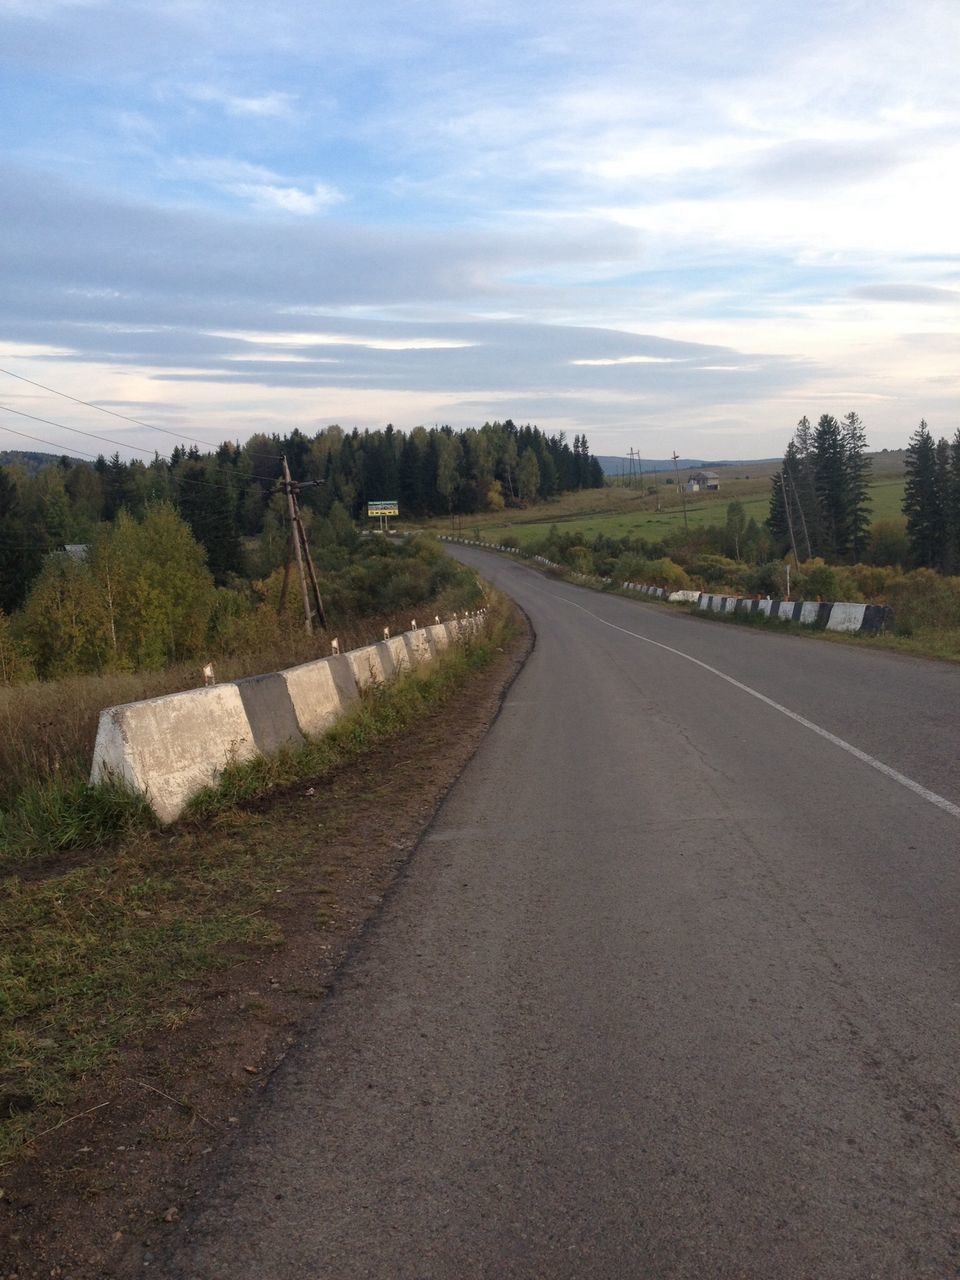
(102, 1188)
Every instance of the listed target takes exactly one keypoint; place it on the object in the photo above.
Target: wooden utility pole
(683, 492)
(786, 507)
(304, 559)
(635, 454)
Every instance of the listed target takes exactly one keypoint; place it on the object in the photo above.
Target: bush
(888, 543)
(815, 579)
(768, 579)
(720, 572)
(924, 600)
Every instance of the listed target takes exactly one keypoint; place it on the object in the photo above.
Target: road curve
(669, 989)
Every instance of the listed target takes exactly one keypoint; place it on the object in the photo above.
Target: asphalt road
(669, 989)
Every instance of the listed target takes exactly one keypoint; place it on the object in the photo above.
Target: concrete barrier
(831, 615)
(418, 646)
(367, 665)
(167, 749)
(320, 692)
(270, 713)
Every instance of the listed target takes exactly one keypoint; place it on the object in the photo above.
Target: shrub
(888, 543)
(923, 599)
(815, 578)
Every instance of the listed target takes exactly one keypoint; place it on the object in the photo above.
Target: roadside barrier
(838, 615)
(168, 748)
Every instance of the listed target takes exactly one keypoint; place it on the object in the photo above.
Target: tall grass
(48, 728)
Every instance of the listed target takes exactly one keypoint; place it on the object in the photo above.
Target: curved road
(669, 989)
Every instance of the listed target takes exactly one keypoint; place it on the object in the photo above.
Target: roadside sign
(386, 507)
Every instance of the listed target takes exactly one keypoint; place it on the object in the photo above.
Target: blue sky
(667, 225)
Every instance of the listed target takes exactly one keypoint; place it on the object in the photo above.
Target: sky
(665, 225)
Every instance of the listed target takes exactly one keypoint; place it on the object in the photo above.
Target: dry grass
(94, 953)
(47, 729)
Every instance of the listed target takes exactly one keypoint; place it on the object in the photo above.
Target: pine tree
(857, 473)
(831, 486)
(944, 485)
(925, 525)
(953, 508)
(804, 488)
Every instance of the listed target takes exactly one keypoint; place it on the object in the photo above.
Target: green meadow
(641, 519)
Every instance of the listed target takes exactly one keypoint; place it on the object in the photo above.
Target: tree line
(232, 494)
(819, 504)
(931, 500)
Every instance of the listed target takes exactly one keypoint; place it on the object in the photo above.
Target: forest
(112, 565)
(820, 501)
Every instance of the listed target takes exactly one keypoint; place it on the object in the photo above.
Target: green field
(645, 522)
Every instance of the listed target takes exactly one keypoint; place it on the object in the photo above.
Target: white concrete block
(169, 748)
(366, 665)
(418, 646)
(846, 617)
(809, 611)
(319, 693)
(399, 653)
(440, 636)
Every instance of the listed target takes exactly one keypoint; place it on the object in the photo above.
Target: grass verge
(942, 644)
(95, 955)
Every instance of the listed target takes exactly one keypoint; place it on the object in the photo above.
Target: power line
(114, 414)
(39, 440)
(92, 435)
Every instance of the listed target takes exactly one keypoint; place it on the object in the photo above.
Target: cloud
(255, 184)
(275, 105)
(289, 199)
(587, 212)
(799, 165)
(910, 293)
(614, 360)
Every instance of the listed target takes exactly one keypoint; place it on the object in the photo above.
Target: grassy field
(618, 512)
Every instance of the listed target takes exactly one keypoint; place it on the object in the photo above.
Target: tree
(944, 487)
(15, 662)
(830, 477)
(528, 475)
(64, 622)
(857, 478)
(921, 499)
(953, 507)
(736, 527)
(449, 461)
(154, 587)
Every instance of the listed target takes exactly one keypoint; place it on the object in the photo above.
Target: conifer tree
(921, 505)
(857, 478)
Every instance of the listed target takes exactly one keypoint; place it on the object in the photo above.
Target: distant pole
(683, 493)
(304, 559)
(295, 531)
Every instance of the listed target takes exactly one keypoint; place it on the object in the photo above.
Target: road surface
(669, 989)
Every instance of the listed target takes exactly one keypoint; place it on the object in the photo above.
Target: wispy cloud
(910, 293)
(275, 105)
(447, 210)
(254, 183)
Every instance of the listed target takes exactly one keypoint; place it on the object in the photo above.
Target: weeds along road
(669, 989)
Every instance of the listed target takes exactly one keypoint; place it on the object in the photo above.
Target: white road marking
(924, 792)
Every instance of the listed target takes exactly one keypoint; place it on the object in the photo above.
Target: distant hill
(31, 462)
(613, 466)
